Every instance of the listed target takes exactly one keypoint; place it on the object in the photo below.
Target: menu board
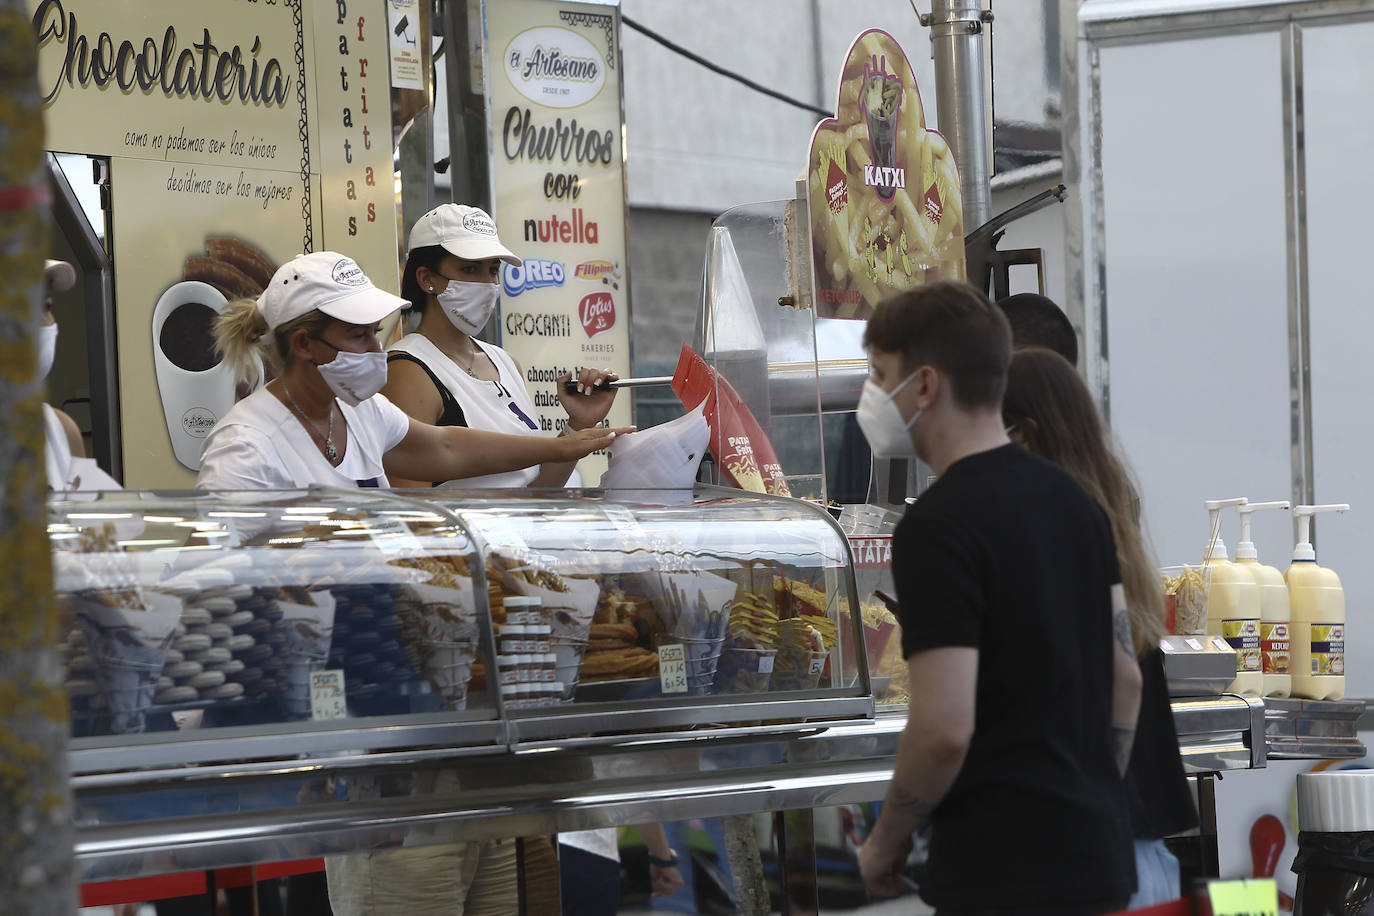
(240, 133)
(558, 182)
(886, 214)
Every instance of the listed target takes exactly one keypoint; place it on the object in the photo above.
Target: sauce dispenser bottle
(1233, 604)
(1274, 642)
(1317, 601)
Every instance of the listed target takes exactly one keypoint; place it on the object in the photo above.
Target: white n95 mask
(354, 377)
(880, 419)
(47, 349)
(469, 305)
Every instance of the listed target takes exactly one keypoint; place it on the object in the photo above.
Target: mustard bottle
(1233, 604)
(1274, 641)
(1317, 603)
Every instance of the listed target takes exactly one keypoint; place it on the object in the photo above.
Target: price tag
(765, 664)
(392, 536)
(1194, 644)
(1247, 897)
(327, 698)
(817, 665)
(672, 668)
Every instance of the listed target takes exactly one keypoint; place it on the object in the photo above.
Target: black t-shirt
(1008, 555)
(1161, 801)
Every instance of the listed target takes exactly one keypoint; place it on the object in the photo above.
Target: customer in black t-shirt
(1024, 689)
(1049, 410)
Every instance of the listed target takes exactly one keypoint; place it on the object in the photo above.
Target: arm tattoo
(1122, 740)
(1121, 624)
(908, 804)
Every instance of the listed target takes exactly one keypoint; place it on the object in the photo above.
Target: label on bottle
(1274, 647)
(1328, 648)
(1244, 636)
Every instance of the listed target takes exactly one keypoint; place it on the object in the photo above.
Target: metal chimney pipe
(956, 29)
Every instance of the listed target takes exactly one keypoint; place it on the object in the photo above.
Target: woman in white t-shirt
(442, 374)
(322, 420)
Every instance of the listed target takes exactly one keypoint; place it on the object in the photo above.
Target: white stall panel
(1197, 326)
(1338, 70)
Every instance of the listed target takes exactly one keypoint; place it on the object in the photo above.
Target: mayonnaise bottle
(1233, 604)
(1317, 601)
(1274, 641)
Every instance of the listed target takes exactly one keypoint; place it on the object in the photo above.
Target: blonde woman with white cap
(322, 420)
(442, 374)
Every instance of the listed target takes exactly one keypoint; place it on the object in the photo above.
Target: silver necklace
(468, 368)
(330, 451)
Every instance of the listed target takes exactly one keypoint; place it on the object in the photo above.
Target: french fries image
(873, 240)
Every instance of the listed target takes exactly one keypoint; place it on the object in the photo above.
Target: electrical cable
(717, 68)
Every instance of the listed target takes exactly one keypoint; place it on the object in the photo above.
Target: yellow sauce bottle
(1318, 608)
(1233, 605)
(1274, 638)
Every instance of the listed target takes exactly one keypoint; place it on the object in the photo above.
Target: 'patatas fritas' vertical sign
(240, 133)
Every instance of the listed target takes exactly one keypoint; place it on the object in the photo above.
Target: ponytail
(239, 333)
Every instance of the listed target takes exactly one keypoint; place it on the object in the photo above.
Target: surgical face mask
(468, 305)
(354, 377)
(880, 419)
(47, 349)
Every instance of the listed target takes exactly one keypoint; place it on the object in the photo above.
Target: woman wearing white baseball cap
(442, 374)
(322, 420)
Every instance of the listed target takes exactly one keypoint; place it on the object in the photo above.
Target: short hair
(1036, 321)
(953, 327)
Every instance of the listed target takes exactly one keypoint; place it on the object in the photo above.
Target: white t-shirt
(502, 406)
(260, 444)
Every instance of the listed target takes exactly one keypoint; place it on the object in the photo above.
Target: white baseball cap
(467, 232)
(327, 281)
(59, 274)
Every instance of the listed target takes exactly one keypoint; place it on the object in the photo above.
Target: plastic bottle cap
(1245, 550)
(1217, 550)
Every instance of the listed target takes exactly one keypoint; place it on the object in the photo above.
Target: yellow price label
(1247, 897)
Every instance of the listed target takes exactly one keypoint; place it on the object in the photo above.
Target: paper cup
(439, 628)
(797, 669)
(308, 629)
(128, 648)
(745, 670)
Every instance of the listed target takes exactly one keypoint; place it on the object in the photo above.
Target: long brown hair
(1049, 407)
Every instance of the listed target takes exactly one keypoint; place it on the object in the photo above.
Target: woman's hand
(587, 407)
(582, 442)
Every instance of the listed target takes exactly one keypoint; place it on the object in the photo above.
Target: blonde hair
(241, 336)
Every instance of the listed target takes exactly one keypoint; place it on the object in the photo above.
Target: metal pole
(956, 28)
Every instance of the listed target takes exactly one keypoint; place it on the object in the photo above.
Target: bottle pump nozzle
(1245, 548)
(1302, 551)
(1216, 549)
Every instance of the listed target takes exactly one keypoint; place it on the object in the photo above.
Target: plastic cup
(567, 653)
(797, 669)
(296, 695)
(447, 666)
(745, 670)
(1189, 605)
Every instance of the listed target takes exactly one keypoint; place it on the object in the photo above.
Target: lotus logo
(197, 422)
(597, 313)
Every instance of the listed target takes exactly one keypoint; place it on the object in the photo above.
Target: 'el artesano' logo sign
(554, 67)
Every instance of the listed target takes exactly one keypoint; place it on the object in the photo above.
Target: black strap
(453, 411)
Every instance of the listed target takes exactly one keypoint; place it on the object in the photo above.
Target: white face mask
(469, 305)
(47, 349)
(354, 377)
(880, 419)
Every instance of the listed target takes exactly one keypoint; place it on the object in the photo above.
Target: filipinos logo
(597, 313)
(532, 274)
(554, 67)
(595, 270)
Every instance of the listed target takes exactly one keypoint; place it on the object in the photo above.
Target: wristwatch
(664, 863)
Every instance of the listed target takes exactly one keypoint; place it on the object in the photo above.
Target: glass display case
(255, 626)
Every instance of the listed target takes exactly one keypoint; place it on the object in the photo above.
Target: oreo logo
(348, 273)
(197, 422)
(479, 223)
